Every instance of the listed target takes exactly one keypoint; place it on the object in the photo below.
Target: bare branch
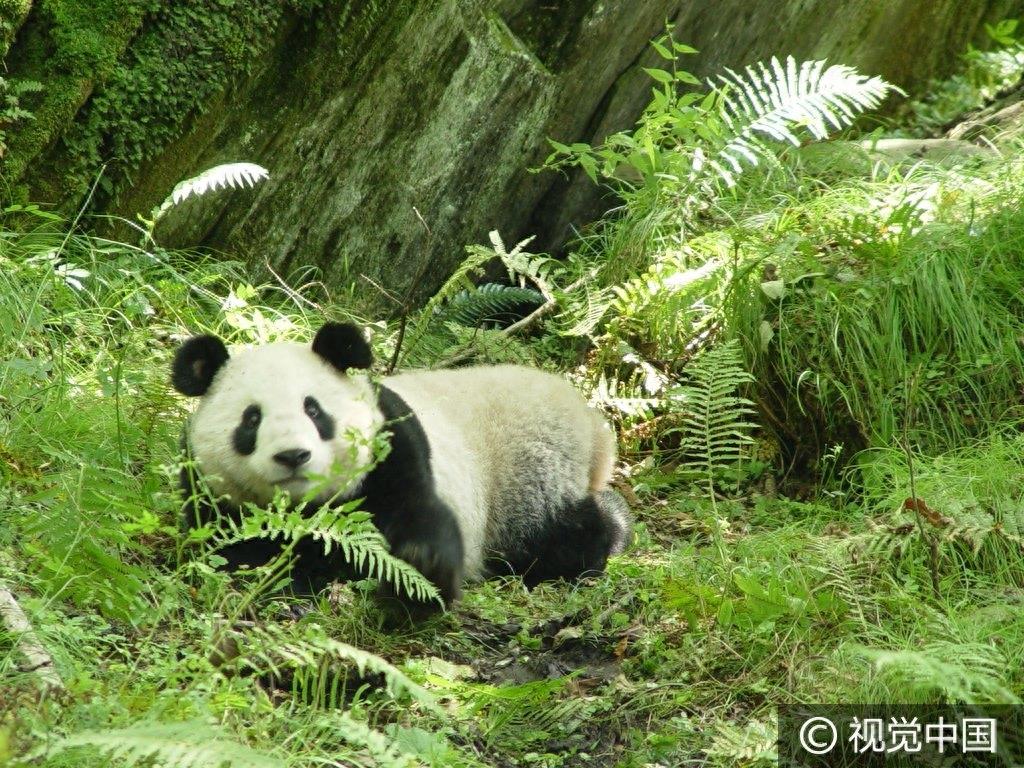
(37, 659)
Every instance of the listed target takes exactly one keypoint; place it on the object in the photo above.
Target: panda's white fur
(513, 451)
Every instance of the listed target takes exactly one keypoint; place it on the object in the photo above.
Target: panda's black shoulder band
(196, 363)
(343, 346)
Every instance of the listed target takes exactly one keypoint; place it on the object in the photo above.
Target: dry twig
(37, 659)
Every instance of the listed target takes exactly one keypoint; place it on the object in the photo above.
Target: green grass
(900, 308)
(724, 607)
(717, 614)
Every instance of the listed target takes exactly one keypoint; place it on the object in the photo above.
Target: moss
(508, 41)
(363, 26)
(69, 46)
(186, 55)
(122, 77)
(12, 16)
(549, 30)
(58, 106)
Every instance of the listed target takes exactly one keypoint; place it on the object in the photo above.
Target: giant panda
(492, 470)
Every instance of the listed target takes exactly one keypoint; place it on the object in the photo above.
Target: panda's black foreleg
(575, 543)
(427, 537)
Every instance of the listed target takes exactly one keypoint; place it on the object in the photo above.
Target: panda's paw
(402, 609)
(440, 563)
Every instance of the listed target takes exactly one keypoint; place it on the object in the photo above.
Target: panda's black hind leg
(577, 543)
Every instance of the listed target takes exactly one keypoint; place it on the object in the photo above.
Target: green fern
(954, 670)
(668, 303)
(11, 111)
(176, 745)
(584, 310)
(687, 141)
(385, 753)
(521, 716)
(345, 528)
(772, 102)
(461, 279)
(488, 303)
(752, 744)
(519, 262)
(454, 343)
(715, 426)
(427, 319)
(273, 649)
(626, 397)
(975, 508)
(63, 549)
(685, 149)
(459, 302)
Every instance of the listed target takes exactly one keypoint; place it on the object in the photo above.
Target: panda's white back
(509, 447)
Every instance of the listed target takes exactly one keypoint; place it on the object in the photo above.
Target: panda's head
(280, 416)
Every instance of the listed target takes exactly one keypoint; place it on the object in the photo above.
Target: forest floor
(718, 613)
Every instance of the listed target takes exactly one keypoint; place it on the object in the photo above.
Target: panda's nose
(292, 459)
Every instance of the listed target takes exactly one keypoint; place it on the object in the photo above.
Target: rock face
(367, 112)
(441, 108)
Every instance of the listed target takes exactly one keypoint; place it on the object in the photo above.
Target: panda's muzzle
(292, 459)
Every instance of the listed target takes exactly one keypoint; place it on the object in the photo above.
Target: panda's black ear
(343, 346)
(196, 363)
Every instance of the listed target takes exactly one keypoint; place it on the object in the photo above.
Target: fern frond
(345, 528)
(499, 245)
(958, 670)
(522, 724)
(877, 545)
(233, 175)
(715, 426)
(519, 262)
(461, 279)
(839, 573)
(272, 649)
(489, 302)
(176, 745)
(624, 398)
(755, 743)
(587, 310)
(379, 746)
(20, 87)
(520, 716)
(780, 103)
(460, 288)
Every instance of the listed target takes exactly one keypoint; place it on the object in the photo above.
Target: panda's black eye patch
(252, 416)
(324, 423)
(244, 437)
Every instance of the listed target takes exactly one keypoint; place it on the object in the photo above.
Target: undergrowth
(866, 316)
(847, 277)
